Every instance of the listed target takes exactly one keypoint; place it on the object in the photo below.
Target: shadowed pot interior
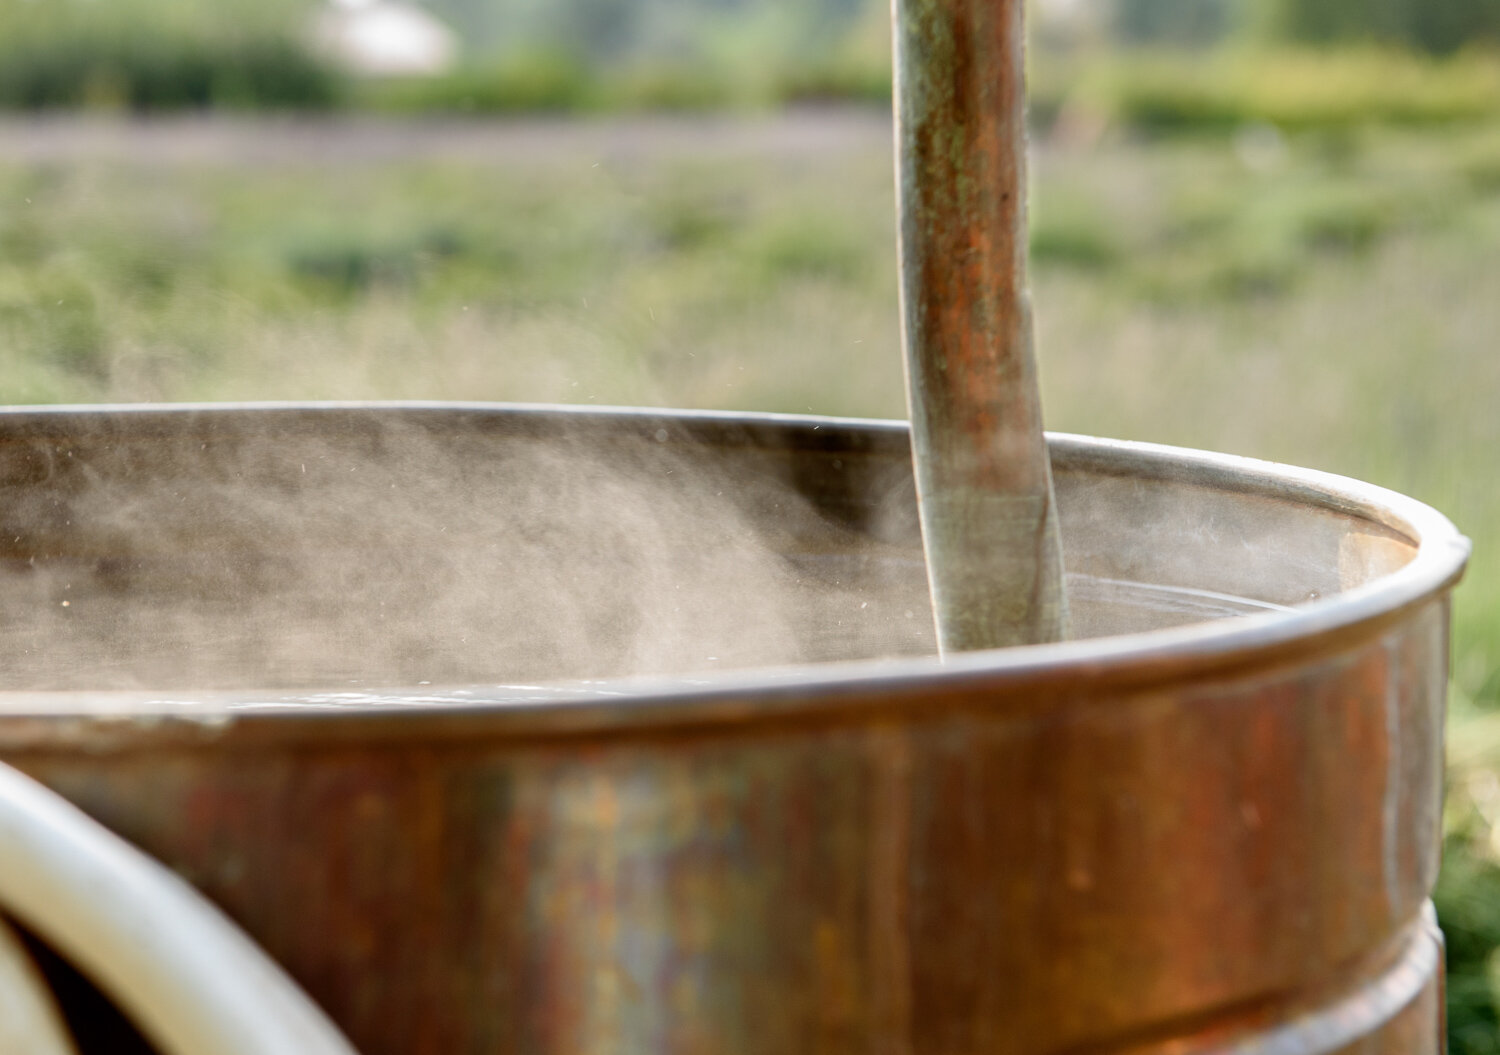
(539, 730)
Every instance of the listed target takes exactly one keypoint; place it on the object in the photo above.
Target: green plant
(1164, 92)
(1434, 25)
(140, 55)
(540, 81)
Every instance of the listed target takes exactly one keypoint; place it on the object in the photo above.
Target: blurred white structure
(1069, 14)
(1063, 9)
(384, 38)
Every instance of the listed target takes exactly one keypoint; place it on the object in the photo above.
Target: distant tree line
(606, 30)
(1437, 26)
(652, 30)
(520, 54)
(1189, 22)
(1431, 25)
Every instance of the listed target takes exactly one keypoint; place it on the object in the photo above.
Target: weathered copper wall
(1214, 838)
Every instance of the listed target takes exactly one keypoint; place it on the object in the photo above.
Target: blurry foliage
(733, 33)
(1253, 223)
(1468, 891)
(294, 281)
(538, 82)
(1180, 22)
(1179, 92)
(600, 55)
(156, 54)
(593, 55)
(1073, 231)
(553, 83)
(1437, 26)
(1468, 903)
(520, 56)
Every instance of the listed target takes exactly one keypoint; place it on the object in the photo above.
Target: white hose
(191, 980)
(29, 1021)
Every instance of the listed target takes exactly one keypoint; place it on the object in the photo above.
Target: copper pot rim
(1025, 678)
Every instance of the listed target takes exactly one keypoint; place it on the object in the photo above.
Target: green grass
(1326, 299)
(1220, 91)
(163, 55)
(542, 82)
(618, 282)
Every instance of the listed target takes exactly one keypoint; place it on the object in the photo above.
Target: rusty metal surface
(988, 517)
(1211, 837)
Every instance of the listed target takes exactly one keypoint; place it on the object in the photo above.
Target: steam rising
(291, 548)
(300, 551)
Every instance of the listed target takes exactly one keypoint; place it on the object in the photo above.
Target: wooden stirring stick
(984, 482)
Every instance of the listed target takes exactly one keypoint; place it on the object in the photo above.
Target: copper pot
(426, 775)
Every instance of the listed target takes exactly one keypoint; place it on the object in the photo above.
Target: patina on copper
(984, 485)
(1210, 837)
(1210, 823)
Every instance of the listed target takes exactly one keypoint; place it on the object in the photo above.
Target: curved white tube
(29, 1020)
(191, 980)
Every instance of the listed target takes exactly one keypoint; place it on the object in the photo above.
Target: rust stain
(971, 376)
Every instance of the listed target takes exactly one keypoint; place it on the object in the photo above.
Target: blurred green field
(1325, 297)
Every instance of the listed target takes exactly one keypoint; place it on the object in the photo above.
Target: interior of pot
(384, 546)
